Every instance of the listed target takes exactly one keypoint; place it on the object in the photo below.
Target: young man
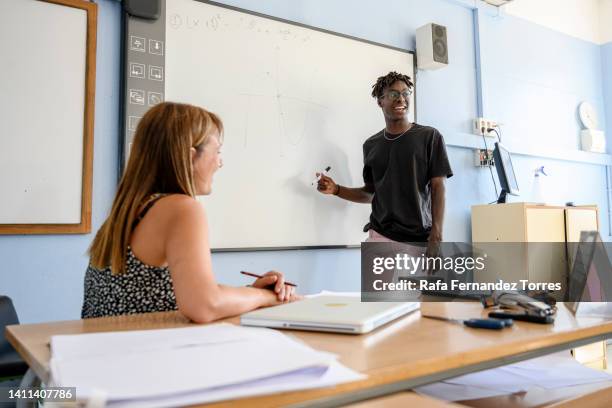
(404, 169)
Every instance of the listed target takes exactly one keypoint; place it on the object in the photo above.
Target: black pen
(260, 276)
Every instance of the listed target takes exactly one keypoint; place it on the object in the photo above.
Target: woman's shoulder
(177, 206)
(178, 200)
(171, 215)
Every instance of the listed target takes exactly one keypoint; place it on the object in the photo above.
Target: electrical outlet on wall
(483, 158)
(482, 124)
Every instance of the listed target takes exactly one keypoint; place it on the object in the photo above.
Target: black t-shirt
(400, 171)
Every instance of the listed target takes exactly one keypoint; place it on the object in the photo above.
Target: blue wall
(606, 66)
(526, 69)
(533, 81)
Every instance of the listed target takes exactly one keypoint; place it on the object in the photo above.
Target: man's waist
(398, 232)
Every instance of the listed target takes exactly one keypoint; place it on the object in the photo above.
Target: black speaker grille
(439, 31)
(440, 47)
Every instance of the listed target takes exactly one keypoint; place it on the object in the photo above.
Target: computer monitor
(505, 172)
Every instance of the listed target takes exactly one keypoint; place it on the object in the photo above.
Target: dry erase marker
(260, 276)
(327, 169)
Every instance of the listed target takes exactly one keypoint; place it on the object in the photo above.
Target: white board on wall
(43, 94)
(293, 100)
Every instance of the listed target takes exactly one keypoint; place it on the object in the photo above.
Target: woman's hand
(275, 281)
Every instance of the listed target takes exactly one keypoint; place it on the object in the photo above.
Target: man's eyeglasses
(395, 95)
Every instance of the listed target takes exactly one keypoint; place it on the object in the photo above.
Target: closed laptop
(341, 314)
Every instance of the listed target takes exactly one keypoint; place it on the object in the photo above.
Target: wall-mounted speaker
(432, 46)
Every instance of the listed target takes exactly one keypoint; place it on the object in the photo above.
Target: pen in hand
(254, 275)
(327, 169)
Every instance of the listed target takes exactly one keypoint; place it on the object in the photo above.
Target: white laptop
(340, 314)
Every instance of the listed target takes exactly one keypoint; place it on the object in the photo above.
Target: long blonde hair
(160, 162)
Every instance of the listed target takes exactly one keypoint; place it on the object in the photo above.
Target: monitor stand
(502, 197)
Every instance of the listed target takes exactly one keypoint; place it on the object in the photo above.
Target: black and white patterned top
(141, 288)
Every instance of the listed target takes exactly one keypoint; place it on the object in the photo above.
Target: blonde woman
(153, 252)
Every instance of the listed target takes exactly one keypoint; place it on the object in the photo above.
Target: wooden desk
(409, 352)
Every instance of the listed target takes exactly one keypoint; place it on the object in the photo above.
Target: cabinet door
(545, 225)
(578, 220)
(546, 244)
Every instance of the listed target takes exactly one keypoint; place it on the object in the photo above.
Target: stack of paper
(189, 365)
(550, 372)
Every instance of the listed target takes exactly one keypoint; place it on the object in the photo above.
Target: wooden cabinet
(530, 223)
(522, 226)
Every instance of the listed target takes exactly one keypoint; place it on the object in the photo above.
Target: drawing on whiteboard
(284, 33)
(175, 21)
(213, 22)
(290, 129)
(192, 22)
(294, 111)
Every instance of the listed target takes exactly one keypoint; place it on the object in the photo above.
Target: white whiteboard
(42, 102)
(293, 100)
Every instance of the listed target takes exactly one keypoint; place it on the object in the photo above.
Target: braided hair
(386, 81)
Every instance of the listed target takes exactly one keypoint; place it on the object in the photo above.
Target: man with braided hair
(405, 166)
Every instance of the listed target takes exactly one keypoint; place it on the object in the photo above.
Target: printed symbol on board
(137, 70)
(137, 96)
(133, 122)
(156, 47)
(193, 23)
(175, 21)
(155, 98)
(156, 73)
(137, 43)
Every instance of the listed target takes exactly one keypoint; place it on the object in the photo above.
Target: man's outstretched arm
(362, 194)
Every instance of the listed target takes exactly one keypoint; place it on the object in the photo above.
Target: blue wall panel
(606, 61)
(535, 80)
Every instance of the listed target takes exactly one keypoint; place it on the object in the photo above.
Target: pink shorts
(374, 236)
(409, 249)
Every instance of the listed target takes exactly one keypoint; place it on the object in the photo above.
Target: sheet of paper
(549, 372)
(561, 374)
(456, 392)
(595, 309)
(204, 357)
(127, 342)
(306, 379)
(496, 379)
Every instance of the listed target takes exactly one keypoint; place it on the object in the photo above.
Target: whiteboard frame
(84, 226)
(132, 21)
